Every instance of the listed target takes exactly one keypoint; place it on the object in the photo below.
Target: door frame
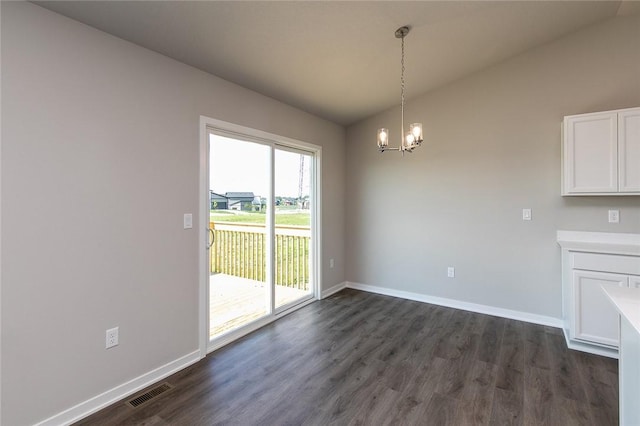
(207, 124)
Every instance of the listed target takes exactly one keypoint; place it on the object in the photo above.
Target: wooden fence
(240, 250)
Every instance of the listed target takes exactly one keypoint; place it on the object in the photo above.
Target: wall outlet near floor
(451, 272)
(614, 216)
(332, 263)
(112, 337)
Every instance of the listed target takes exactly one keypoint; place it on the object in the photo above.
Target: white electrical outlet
(451, 272)
(112, 337)
(614, 216)
(332, 263)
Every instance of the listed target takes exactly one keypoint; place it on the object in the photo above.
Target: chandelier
(413, 137)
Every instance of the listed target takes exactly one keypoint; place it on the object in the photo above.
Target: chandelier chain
(402, 94)
(402, 73)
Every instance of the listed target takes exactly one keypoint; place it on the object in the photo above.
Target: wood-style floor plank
(357, 358)
(477, 397)
(539, 396)
(601, 386)
(565, 375)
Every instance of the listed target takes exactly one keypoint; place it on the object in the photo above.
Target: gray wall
(492, 148)
(100, 157)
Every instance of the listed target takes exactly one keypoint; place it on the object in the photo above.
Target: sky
(239, 166)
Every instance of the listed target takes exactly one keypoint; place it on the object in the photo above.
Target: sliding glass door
(292, 240)
(239, 207)
(261, 211)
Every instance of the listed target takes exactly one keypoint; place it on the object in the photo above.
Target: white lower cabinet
(591, 262)
(595, 319)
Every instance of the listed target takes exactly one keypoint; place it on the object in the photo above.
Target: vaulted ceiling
(339, 60)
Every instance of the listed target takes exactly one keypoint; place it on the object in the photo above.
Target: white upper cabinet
(629, 150)
(601, 153)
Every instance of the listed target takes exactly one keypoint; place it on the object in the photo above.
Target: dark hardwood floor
(363, 359)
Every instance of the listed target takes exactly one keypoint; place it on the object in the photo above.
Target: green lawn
(282, 218)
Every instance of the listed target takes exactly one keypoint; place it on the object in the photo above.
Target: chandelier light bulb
(416, 131)
(383, 137)
(410, 139)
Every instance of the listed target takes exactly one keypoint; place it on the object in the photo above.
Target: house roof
(215, 195)
(239, 195)
(340, 60)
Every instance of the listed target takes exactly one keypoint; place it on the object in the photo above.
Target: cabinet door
(629, 150)
(591, 153)
(595, 319)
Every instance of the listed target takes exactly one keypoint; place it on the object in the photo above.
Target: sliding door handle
(212, 238)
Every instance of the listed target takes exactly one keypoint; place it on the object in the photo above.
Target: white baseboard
(458, 304)
(332, 290)
(588, 347)
(98, 402)
(592, 349)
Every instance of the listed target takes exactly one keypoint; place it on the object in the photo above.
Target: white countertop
(627, 302)
(600, 242)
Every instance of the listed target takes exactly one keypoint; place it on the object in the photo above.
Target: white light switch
(188, 221)
(614, 216)
(526, 214)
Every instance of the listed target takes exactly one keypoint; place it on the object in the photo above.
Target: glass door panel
(292, 239)
(239, 286)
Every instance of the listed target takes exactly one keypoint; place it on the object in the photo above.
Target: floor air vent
(149, 395)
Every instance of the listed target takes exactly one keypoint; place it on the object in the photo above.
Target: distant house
(240, 200)
(218, 201)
